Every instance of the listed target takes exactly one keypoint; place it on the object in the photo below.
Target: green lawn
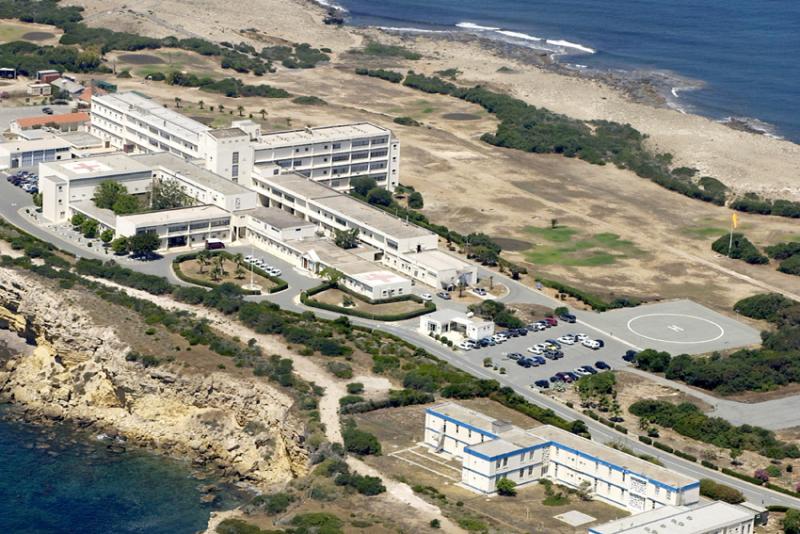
(12, 32)
(702, 232)
(597, 250)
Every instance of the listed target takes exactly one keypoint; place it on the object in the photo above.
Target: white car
(426, 297)
(249, 258)
(499, 338)
(466, 345)
(566, 340)
(581, 337)
(536, 350)
(581, 372)
(591, 344)
(274, 271)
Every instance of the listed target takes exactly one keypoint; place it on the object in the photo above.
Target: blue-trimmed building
(491, 450)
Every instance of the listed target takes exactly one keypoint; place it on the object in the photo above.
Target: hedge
(280, 283)
(742, 476)
(685, 455)
(305, 298)
(645, 440)
(706, 463)
(665, 448)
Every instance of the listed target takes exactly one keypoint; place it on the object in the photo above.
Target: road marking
(676, 328)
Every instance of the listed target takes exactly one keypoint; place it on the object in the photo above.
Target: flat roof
(146, 109)
(319, 135)
(678, 520)
(110, 165)
(458, 412)
(277, 217)
(81, 139)
(438, 260)
(193, 172)
(633, 464)
(347, 205)
(105, 216)
(449, 315)
(26, 145)
(375, 278)
(223, 133)
(175, 216)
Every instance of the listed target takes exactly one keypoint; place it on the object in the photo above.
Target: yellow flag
(735, 220)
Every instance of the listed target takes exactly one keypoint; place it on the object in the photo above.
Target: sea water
(718, 58)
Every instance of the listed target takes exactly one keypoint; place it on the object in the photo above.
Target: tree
(217, 269)
(379, 196)
(89, 228)
(263, 113)
(553, 223)
(37, 200)
(201, 104)
(120, 246)
(168, 194)
(360, 442)
(203, 259)
(791, 521)
(144, 244)
(107, 194)
(77, 220)
(561, 310)
(238, 260)
(585, 490)
(346, 238)
(107, 235)
(506, 487)
(178, 102)
(331, 275)
(415, 200)
(361, 185)
(125, 204)
(240, 109)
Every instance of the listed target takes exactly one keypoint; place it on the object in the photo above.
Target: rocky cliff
(78, 371)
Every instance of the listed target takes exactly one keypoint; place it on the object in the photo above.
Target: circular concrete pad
(676, 328)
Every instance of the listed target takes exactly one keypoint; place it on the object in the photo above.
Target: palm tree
(201, 104)
(238, 259)
(202, 259)
(221, 108)
(177, 101)
(240, 109)
(218, 267)
(263, 113)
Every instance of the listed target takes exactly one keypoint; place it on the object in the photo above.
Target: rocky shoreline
(241, 429)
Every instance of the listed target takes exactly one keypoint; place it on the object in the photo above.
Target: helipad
(679, 326)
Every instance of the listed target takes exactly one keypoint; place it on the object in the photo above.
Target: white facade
(25, 153)
(179, 227)
(333, 154)
(712, 518)
(135, 124)
(450, 321)
(491, 450)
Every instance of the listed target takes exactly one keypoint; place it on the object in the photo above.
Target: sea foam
(473, 26)
(518, 35)
(568, 44)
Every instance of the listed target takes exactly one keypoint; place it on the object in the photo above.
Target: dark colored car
(522, 331)
(214, 244)
(551, 355)
(572, 375)
(567, 317)
(630, 355)
(515, 356)
(539, 360)
(553, 342)
(551, 321)
(603, 366)
(589, 369)
(555, 378)
(542, 384)
(524, 362)
(602, 343)
(47, 111)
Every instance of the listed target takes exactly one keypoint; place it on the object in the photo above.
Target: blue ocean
(54, 480)
(718, 58)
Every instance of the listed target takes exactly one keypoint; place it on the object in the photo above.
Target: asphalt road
(13, 199)
(10, 114)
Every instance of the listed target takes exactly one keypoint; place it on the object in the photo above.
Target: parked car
(600, 364)
(554, 379)
(466, 345)
(537, 326)
(591, 344)
(536, 349)
(500, 338)
(539, 359)
(630, 355)
(479, 291)
(274, 271)
(589, 369)
(522, 331)
(551, 321)
(581, 337)
(553, 342)
(542, 384)
(444, 295)
(524, 362)
(572, 375)
(567, 340)
(427, 297)
(567, 317)
(214, 244)
(487, 342)
(515, 355)
(47, 111)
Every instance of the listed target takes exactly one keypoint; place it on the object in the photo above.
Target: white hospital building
(491, 449)
(709, 518)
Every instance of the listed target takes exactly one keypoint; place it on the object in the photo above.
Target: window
(235, 158)
(235, 171)
(497, 464)
(361, 142)
(530, 470)
(505, 462)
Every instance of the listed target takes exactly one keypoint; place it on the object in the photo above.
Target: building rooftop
(24, 145)
(678, 520)
(374, 278)
(105, 216)
(632, 464)
(465, 415)
(190, 171)
(152, 112)
(67, 85)
(277, 217)
(42, 120)
(438, 260)
(175, 216)
(226, 133)
(319, 135)
(81, 139)
(113, 164)
(447, 315)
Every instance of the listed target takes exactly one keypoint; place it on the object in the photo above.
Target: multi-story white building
(135, 124)
(332, 154)
(403, 246)
(711, 518)
(491, 450)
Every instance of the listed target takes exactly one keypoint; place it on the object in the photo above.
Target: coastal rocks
(79, 372)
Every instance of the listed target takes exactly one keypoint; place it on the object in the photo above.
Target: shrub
(720, 492)
(358, 441)
(340, 370)
(355, 388)
(506, 487)
(374, 48)
(790, 265)
(309, 101)
(791, 521)
(407, 121)
(763, 306)
(388, 75)
(742, 249)
(783, 251)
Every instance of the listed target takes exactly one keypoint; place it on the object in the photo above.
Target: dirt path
(311, 372)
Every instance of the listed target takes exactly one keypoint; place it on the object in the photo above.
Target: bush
(783, 251)
(407, 121)
(359, 442)
(720, 492)
(742, 249)
(506, 487)
(354, 388)
(309, 101)
(790, 265)
(791, 521)
(388, 75)
(274, 504)
(374, 48)
(764, 306)
(340, 370)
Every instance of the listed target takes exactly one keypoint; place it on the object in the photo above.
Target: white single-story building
(492, 450)
(710, 518)
(27, 153)
(179, 227)
(443, 322)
